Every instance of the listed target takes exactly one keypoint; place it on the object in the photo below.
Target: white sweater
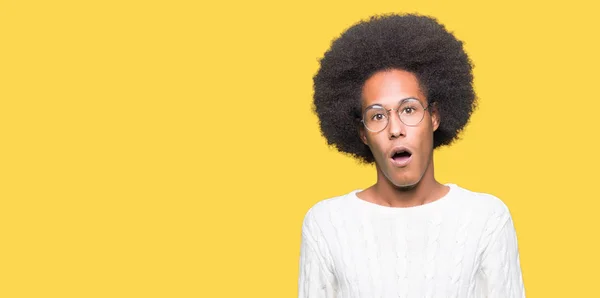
(461, 245)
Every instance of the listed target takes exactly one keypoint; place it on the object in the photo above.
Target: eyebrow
(399, 102)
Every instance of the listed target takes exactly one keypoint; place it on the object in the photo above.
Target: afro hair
(410, 42)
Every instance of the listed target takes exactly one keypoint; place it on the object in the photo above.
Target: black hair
(415, 43)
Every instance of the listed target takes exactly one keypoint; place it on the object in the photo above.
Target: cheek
(423, 138)
(375, 144)
(426, 136)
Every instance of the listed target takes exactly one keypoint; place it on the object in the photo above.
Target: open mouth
(401, 156)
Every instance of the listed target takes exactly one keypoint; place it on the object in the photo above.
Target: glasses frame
(388, 111)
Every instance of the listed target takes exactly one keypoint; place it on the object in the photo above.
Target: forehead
(389, 87)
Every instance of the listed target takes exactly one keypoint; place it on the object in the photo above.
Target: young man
(389, 91)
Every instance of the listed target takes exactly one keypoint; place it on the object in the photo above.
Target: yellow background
(168, 148)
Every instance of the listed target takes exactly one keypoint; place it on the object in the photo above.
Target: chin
(404, 183)
(406, 187)
(405, 178)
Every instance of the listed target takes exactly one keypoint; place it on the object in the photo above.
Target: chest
(416, 256)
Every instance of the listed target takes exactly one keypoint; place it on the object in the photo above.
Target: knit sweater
(461, 245)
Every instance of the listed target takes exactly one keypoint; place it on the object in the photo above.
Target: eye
(378, 117)
(408, 110)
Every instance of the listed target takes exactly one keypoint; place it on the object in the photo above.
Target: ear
(363, 135)
(435, 116)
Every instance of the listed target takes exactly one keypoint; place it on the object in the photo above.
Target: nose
(396, 127)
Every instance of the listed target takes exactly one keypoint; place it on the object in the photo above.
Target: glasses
(410, 111)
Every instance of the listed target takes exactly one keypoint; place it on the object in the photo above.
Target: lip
(400, 163)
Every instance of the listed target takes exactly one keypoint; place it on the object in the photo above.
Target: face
(403, 153)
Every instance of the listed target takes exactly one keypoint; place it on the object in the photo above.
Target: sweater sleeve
(316, 279)
(500, 266)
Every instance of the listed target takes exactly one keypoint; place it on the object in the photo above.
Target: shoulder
(490, 211)
(481, 211)
(325, 206)
(321, 213)
(483, 203)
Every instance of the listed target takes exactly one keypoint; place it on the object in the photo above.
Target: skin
(414, 184)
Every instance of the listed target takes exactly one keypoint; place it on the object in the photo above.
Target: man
(389, 91)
